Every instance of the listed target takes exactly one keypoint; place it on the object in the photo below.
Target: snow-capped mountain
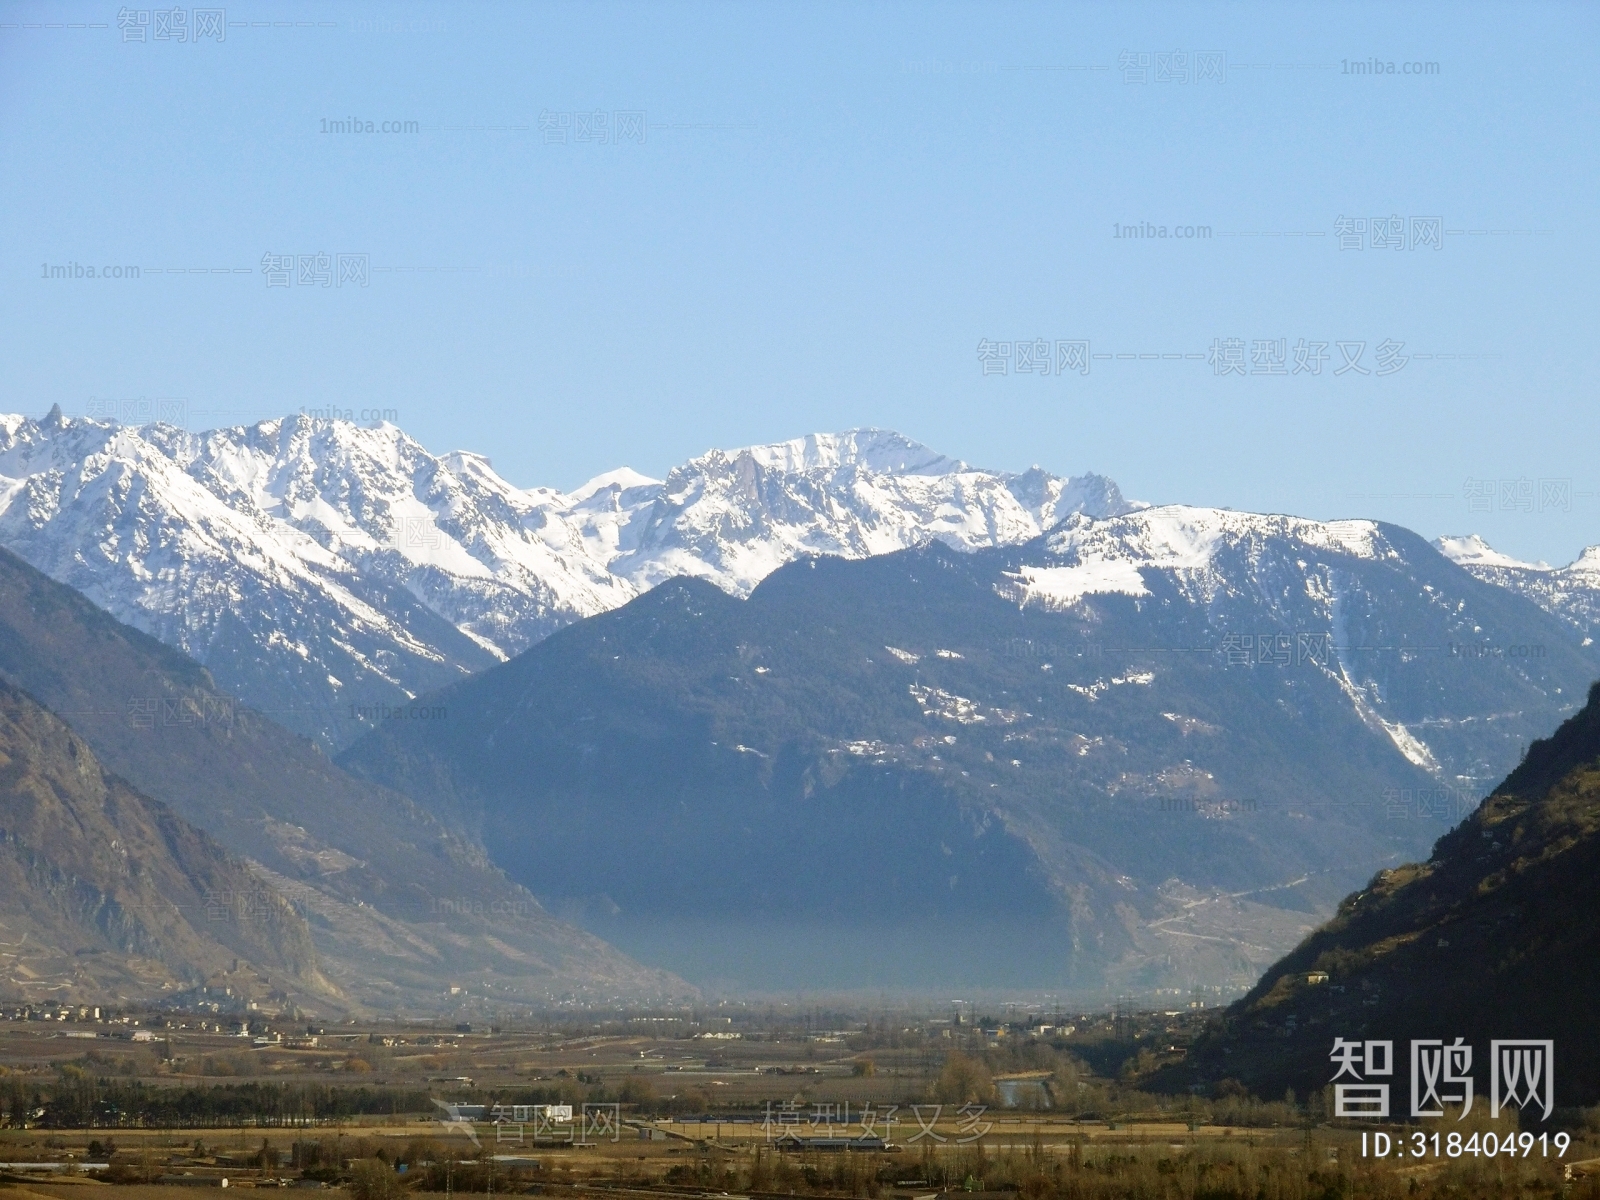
(328, 573)
(1571, 592)
(1326, 593)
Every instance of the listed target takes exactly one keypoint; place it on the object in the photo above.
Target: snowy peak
(880, 451)
(733, 517)
(1472, 550)
(623, 479)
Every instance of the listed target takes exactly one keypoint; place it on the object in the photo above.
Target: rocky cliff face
(399, 908)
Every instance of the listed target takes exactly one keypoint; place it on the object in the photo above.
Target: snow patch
(1413, 747)
(936, 702)
(1060, 587)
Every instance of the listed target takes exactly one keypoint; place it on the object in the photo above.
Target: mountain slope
(1057, 764)
(1492, 937)
(107, 895)
(399, 907)
(323, 570)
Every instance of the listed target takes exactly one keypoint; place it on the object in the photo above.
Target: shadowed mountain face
(1141, 753)
(106, 894)
(400, 908)
(1493, 937)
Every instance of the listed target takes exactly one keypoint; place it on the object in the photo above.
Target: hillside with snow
(1571, 592)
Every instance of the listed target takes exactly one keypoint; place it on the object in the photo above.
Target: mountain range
(839, 711)
(323, 571)
(1141, 752)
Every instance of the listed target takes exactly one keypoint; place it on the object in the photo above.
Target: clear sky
(808, 217)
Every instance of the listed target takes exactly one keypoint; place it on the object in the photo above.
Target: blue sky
(829, 208)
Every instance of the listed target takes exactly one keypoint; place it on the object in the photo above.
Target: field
(756, 1105)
